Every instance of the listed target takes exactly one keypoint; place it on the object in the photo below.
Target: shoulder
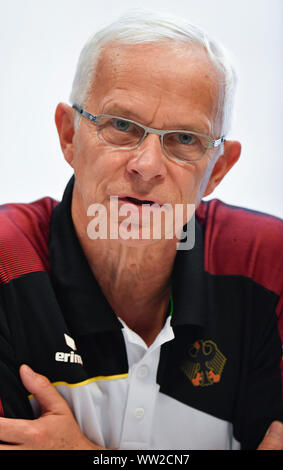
(239, 241)
(24, 233)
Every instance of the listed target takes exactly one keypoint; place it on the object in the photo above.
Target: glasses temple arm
(217, 142)
(84, 113)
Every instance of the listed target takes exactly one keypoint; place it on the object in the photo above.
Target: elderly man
(135, 342)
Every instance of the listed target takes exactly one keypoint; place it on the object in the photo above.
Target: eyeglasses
(125, 134)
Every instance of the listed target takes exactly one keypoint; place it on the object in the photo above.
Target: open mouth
(138, 202)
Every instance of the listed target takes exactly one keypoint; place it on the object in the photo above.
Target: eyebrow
(123, 111)
(127, 113)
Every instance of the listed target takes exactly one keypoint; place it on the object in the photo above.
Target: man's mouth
(138, 202)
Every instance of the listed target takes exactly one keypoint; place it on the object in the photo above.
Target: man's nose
(148, 160)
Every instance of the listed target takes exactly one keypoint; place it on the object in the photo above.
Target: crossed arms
(57, 429)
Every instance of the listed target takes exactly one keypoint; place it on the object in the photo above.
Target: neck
(134, 279)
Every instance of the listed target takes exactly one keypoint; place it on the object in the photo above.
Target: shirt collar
(189, 284)
(84, 305)
(165, 335)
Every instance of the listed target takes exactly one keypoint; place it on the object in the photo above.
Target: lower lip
(132, 205)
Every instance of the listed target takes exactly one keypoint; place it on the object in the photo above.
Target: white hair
(141, 26)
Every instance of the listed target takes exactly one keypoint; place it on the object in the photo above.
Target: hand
(273, 439)
(55, 429)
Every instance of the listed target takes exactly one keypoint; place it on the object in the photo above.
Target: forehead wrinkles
(162, 69)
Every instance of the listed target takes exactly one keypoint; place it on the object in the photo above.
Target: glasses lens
(119, 132)
(185, 146)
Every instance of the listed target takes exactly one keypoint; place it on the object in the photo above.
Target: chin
(139, 242)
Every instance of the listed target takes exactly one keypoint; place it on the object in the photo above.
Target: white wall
(40, 44)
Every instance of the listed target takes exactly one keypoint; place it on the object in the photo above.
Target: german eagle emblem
(204, 363)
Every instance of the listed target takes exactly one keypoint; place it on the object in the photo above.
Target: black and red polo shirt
(210, 380)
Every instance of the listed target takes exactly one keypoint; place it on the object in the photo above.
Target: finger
(273, 440)
(49, 399)
(13, 431)
(11, 447)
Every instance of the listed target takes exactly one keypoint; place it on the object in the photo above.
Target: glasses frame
(211, 143)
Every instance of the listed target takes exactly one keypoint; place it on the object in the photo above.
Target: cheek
(91, 169)
(204, 181)
(96, 167)
(191, 181)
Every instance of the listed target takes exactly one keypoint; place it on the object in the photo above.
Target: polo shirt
(210, 380)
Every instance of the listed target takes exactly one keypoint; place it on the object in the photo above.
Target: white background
(40, 43)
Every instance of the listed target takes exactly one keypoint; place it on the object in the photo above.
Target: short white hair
(143, 26)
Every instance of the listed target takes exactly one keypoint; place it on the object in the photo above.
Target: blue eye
(186, 139)
(121, 125)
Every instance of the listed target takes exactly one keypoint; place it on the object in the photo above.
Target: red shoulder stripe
(1, 409)
(242, 242)
(24, 232)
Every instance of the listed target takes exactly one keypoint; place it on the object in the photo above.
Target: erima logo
(71, 356)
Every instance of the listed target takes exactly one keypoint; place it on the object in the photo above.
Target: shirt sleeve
(14, 402)
(279, 311)
(260, 402)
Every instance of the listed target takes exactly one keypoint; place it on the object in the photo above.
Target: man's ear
(64, 119)
(231, 154)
